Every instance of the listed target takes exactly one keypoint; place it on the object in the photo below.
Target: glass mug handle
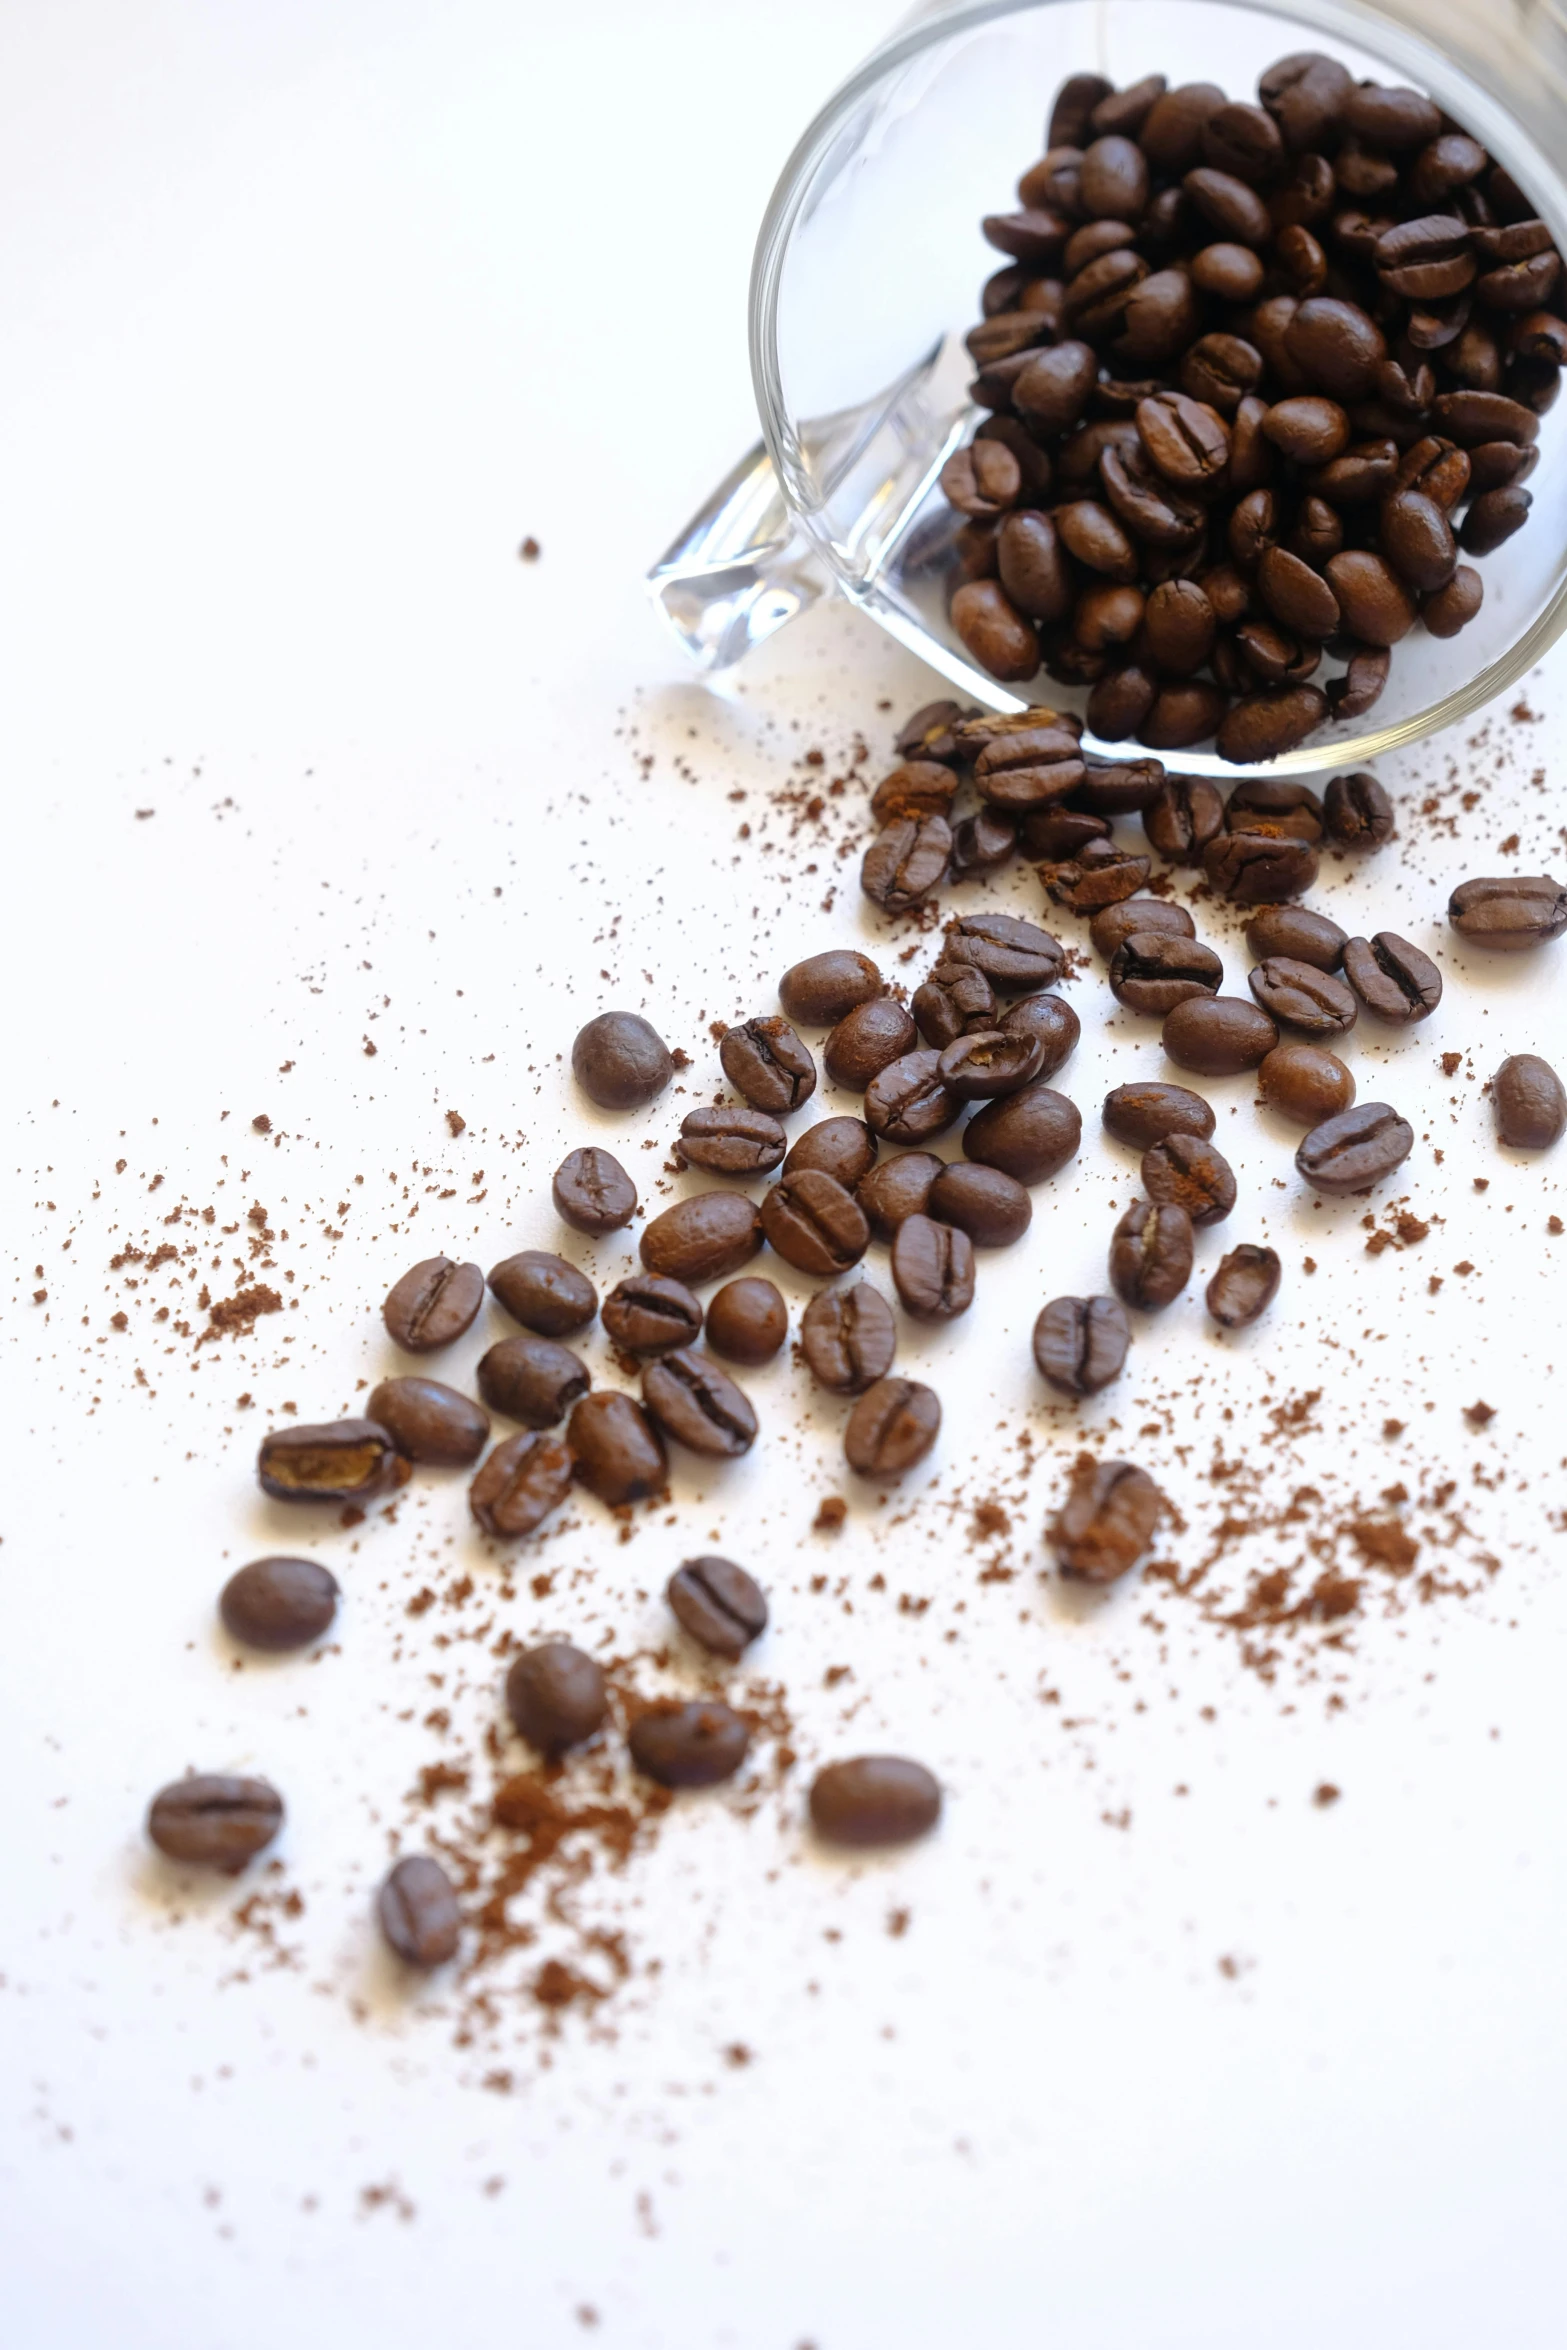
(741, 569)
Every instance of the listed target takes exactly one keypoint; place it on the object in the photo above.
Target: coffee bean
(718, 1603)
(982, 843)
(1107, 1520)
(282, 1603)
(522, 1481)
(417, 1912)
(1300, 996)
(875, 1799)
(1186, 1172)
(1296, 594)
(1259, 868)
(1358, 1148)
(692, 1745)
(920, 787)
(1305, 1082)
(1307, 430)
(344, 1460)
(1509, 913)
(593, 1193)
(990, 1062)
(616, 1451)
(697, 1404)
(908, 859)
(1171, 137)
(1015, 956)
(544, 1293)
(703, 1238)
(1353, 694)
(1244, 1285)
(620, 1061)
(1102, 876)
(1358, 812)
(1304, 93)
(933, 1269)
(1154, 970)
(1337, 347)
(1392, 979)
(1229, 273)
(891, 1428)
(1114, 924)
(211, 1821)
(429, 1422)
(990, 626)
(1454, 606)
(1051, 1022)
(1492, 520)
(533, 1380)
(432, 1304)
(1030, 768)
(1080, 1343)
(731, 1141)
(1142, 1115)
(823, 989)
(1120, 787)
(897, 1188)
(1151, 1255)
(956, 998)
(1296, 932)
(848, 1338)
(556, 1696)
(765, 1062)
(907, 1101)
(1187, 814)
(1265, 726)
(927, 735)
(1034, 567)
(1531, 1103)
(1290, 809)
(747, 1321)
(844, 1148)
(985, 478)
(1029, 1135)
(992, 1208)
(814, 1223)
(1071, 115)
(1218, 1036)
(866, 1040)
(648, 1314)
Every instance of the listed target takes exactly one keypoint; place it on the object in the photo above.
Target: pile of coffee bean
(1257, 377)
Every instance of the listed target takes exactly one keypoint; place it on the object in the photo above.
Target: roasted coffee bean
(593, 1193)
(1033, 565)
(1353, 694)
(1102, 876)
(823, 989)
(620, 1061)
(1071, 116)
(1509, 913)
(844, 1148)
(211, 1821)
(1318, 532)
(1304, 93)
(1107, 1520)
(866, 1040)
(991, 627)
(1356, 1149)
(1029, 1135)
(1120, 701)
(920, 787)
(766, 1062)
(282, 1603)
(731, 1141)
(932, 1269)
(1028, 236)
(1151, 1255)
(1142, 1115)
(432, 1304)
(747, 1321)
(982, 843)
(1015, 956)
(1113, 183)
(1305, 1082)
(417, 1912)
(1392, 979)
(956, 998)
(1051, 1022)
(814, 1223)
(1041, 309)
(718, 1603)
(848, 1338)
(648, 1314)
(891, 1428)
(533, 1380)
(1531, 1103)
(1114, 924)
(1300, 996)
(990, 1062)
(1259, 868)
(1297, 932)
(617, 1452)
(1186, 1172)
(1120, 787)
(1308, 430)
(692, 1745)
(556, 1696)
(1080, 1343)
(907, 860)
(1337, 347)
(1419, 540)
(1358, 812)
(1188, 813)
(1171, 137)
(343, 1460)
(1228, 205)
(1265, 726)
(1453, 607)
(897, 1188)
(1223, 371)
(1154, 970)
(992, 1208)
(1377, 608)
(544, 1293)
(1218, 1036)
(521, 1482)
(1296, 594)
(907, 1101)
(875, 1799)
(429, 1422)
(1244, 1285)
(1289, 808)
(1185, 439)
(985, 479)
(697, 1404)
(1229, 273)
(703, 1238)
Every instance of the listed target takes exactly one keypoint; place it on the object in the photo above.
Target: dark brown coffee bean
(1171, 137)
(1112, 925)
(1071, 115)
(1188, 813)
(518, 1486)
(1244, 1285)
(1492, 520)
(1180, 625)
(1051, 391)
(1265, 726)
(1113, 183)
(1118, 787)
(544, 1293)
(1304, 93)
(343, 1460)
(1244, 140)
(1297, 932)
(1028, 236)
(211, 1821)
(891, 1428)
(1358, 812)
(1102, 876)
(1053, 1025)
(1392, 979)
(731, 1141)
(692, 1745)
(820, 991)
(279, 1603)
(432, 1304)
(992, 1208)
(1029, 1135)
(697, 1404)
(1361, 685)
(866, 1040)
(593, 1193)
(985, 478)
(617, 1452)
(647, 1314)
(982, 843)
(1224, 371)
(1531, 1103)
(1307, 430)
(1453, 607)
(1107, 618)
(1305, 1082)
(1262, 653)
(1218, 1036)
(1029, 767)
(1419, 540)
(844, 1148)
(620, 1061)
(1186, 1172)
(1318, 532)
(1495, 465)
(897, 1188)
(1228, 273)
(994, 631)
(1508, 914)
(1228, 205)
(1143, 1115)
(429, 1422)
(1259, 868)
(907, 1101)
(920, 787)
(874, 1800)
(814, 1223)
(848, 1338)
(1296, 594)
(1186, 440)
(1151, 1255)
(533, 1380)
(933, 1269)
(988, 1063)
(1080, 1343)
(417, 1912)
(1300, 996)
(747, 1321)
(719, 1604)
(703, 1238)
(1033, 566)
(1107, 1520)
(556, 1696)
(905, 862)
(1118, 704)
(1337, 347)
(765, 1062)
(956, 998)
(1033, 461)
(1377, 607)
(1154, 970)
(1358, 1148)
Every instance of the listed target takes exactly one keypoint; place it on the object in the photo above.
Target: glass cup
(867, 276)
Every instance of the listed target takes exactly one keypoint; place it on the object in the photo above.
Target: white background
(310, 316)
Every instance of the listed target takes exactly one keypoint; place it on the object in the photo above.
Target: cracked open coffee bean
(1299, 933)
(1017, 957)
(1080, 1343)
(990, 1062)
(1258, 868)
(593, 1193)
(620, 1061)
(844, 1148)
(1531, 1103)
(873, 1800)
(1102, 876)
(521, 1482)
(1112, 925)
(342, 1460)
(699, 1744)
(897, 1188)
(866, 1040)
(648, 1314)
(1509, 914)
(1218, 1036)
(1300, 996)
(534, 1380)
(1142, 1114)
(1305, 1082)
(767, 1064)
(1357, 1149)
(1186, 1172)
(1154, 970)
(433, 1304)
(823, 989)
(417, 1911)
(1357, 812)
(919, 787)
(719, 1604)
(906, 861)
(747, 1321)
(1029, 1135)
(428, 1422)
(731, 1141)
(212, 1821)
(1392, 979)
(1107, 1521)
(814, 1224)
(1151, 1255)
(279, 1603)
(907, 1101)
(992, 1208)
(1244, 1285)
(933, 1269)
(697, 1404)
(892, 1428)
(544, 1293)
(556, 1695)
(955, 999)
(616, 1450)
(848, 1338)
(1052, 1023)
(703, 1238)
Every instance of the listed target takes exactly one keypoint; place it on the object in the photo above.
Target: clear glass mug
(867, 276)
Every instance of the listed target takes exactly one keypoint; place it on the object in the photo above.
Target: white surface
(310, 319)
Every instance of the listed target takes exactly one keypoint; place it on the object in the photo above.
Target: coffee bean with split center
(278, 1603)
(719, 1604)
(1531, 1103)
(593, 1193)
(933, 1269)
(891, 1428)
(1080, 1343)
(1107, 1520)
(730, 1140)
(697, 1404)
(1357, 1149)
(616, 1450)
(432, 1305)
(1154, 970)
(814, 1223)
(531, 1379)
(955, 999)
(848, 1338)
(1151, 1255)
(992, 1208)
(1393, 979)
(1300, 996)
(1244, 1285)
(907, 1101)
(908, 859)
(1258, 868)
(988, 1063)
(1357, 812)
(767, 1064)
(213, 1821)
(698, 1744)
(747, 1321)
(1183, 1171)
(428, 1422)
(521, 1482)
(417, 1911)
(342, 1460)
(544, 1293)
(1015, 956)
(873, 1800)
(557, 1696)
(1510, 913)
(648, 1314)
(1188, 813)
